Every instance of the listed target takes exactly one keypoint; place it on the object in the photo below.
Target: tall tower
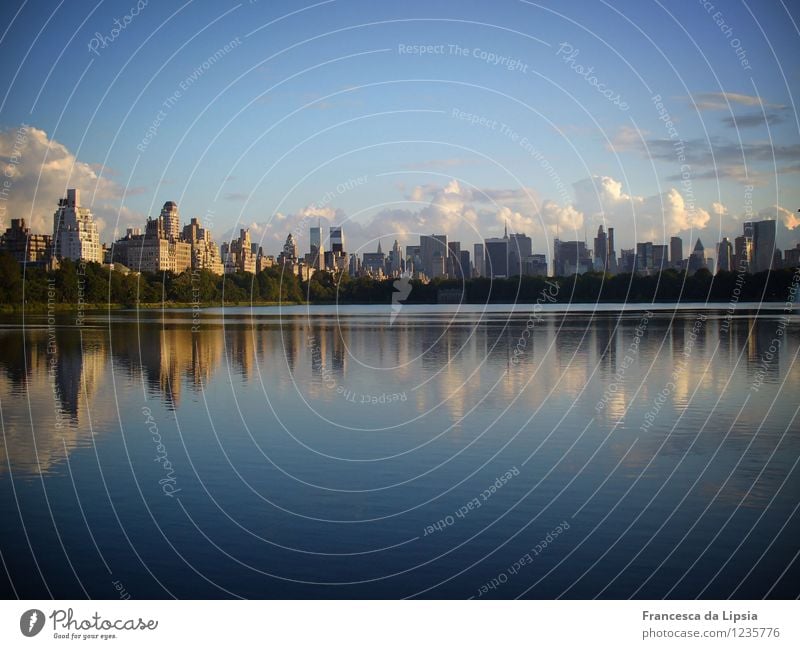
(75, 234)
(172, 221)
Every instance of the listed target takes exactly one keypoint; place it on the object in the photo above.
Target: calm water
(449, 453)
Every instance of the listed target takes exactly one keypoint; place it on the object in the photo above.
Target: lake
(533, 451)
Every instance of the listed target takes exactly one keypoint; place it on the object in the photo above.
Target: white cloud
(40, 170)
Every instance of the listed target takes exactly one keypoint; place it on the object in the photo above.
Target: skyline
(451, 120)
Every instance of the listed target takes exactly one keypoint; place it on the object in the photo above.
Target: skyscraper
(676, 252)
(697, 259)
(724, 255)
(75, 234)
(337, 239)
(520, 247)
(570, 258)
(480, 271)
(496, 250)
(316, 250)
(171, 221)
(601, 250)
(429, 246)
(763, 245)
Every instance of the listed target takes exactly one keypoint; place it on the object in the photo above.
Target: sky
(397, 119)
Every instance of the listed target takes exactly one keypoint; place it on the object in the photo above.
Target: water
(326, 452)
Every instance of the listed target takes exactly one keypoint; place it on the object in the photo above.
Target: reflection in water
(313, 412)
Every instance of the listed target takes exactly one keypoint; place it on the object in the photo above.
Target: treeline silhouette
(94, 284)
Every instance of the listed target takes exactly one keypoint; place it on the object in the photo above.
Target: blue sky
(317, 111)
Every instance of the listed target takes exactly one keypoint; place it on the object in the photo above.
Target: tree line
(93, 284)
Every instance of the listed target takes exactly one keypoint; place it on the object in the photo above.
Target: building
(535, 265)
(75, 234)
(644, 258)
(697, 260)
(464, 265)
(374, 263)
(496, 260)
(627, 260)
(763, 245)
(724, 255)
(239, 257)
(205, 254)
(660, 257)
(570, 258)
(395, 262)
(520, 247)
(742, 253)
(453, 259)
(601, 250)
(479, 269)
(791, 257)
(336, 236)
(316, 248)
(172, 221)
(433, 246)
(676, 252)
(152, 252)
(24, 246)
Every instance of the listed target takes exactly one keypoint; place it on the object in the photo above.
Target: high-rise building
(316, 248)
(465, 266)
(570, 258)
(396, 265)
(676, 252)
(337, 239)
(496, 260)
(520, 247)
(660, 257)
(239, 256)
(601, 250)
(763, 245)
(697, 260)
(374, 263)
(644, 257)
(791, 257)
(24, 246)
(430, 246)
(535, 265)
(627, 260)
(205, 254)
(75, 234)
(152, 252)
(612, 252)
(724, 255)
(479, 270)
(742, 253)
(453, 259)
(172, 221)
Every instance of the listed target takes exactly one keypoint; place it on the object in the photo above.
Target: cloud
(40, 170)
(235, 196)
(723, 101)
(749, 120)
(789, 219)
